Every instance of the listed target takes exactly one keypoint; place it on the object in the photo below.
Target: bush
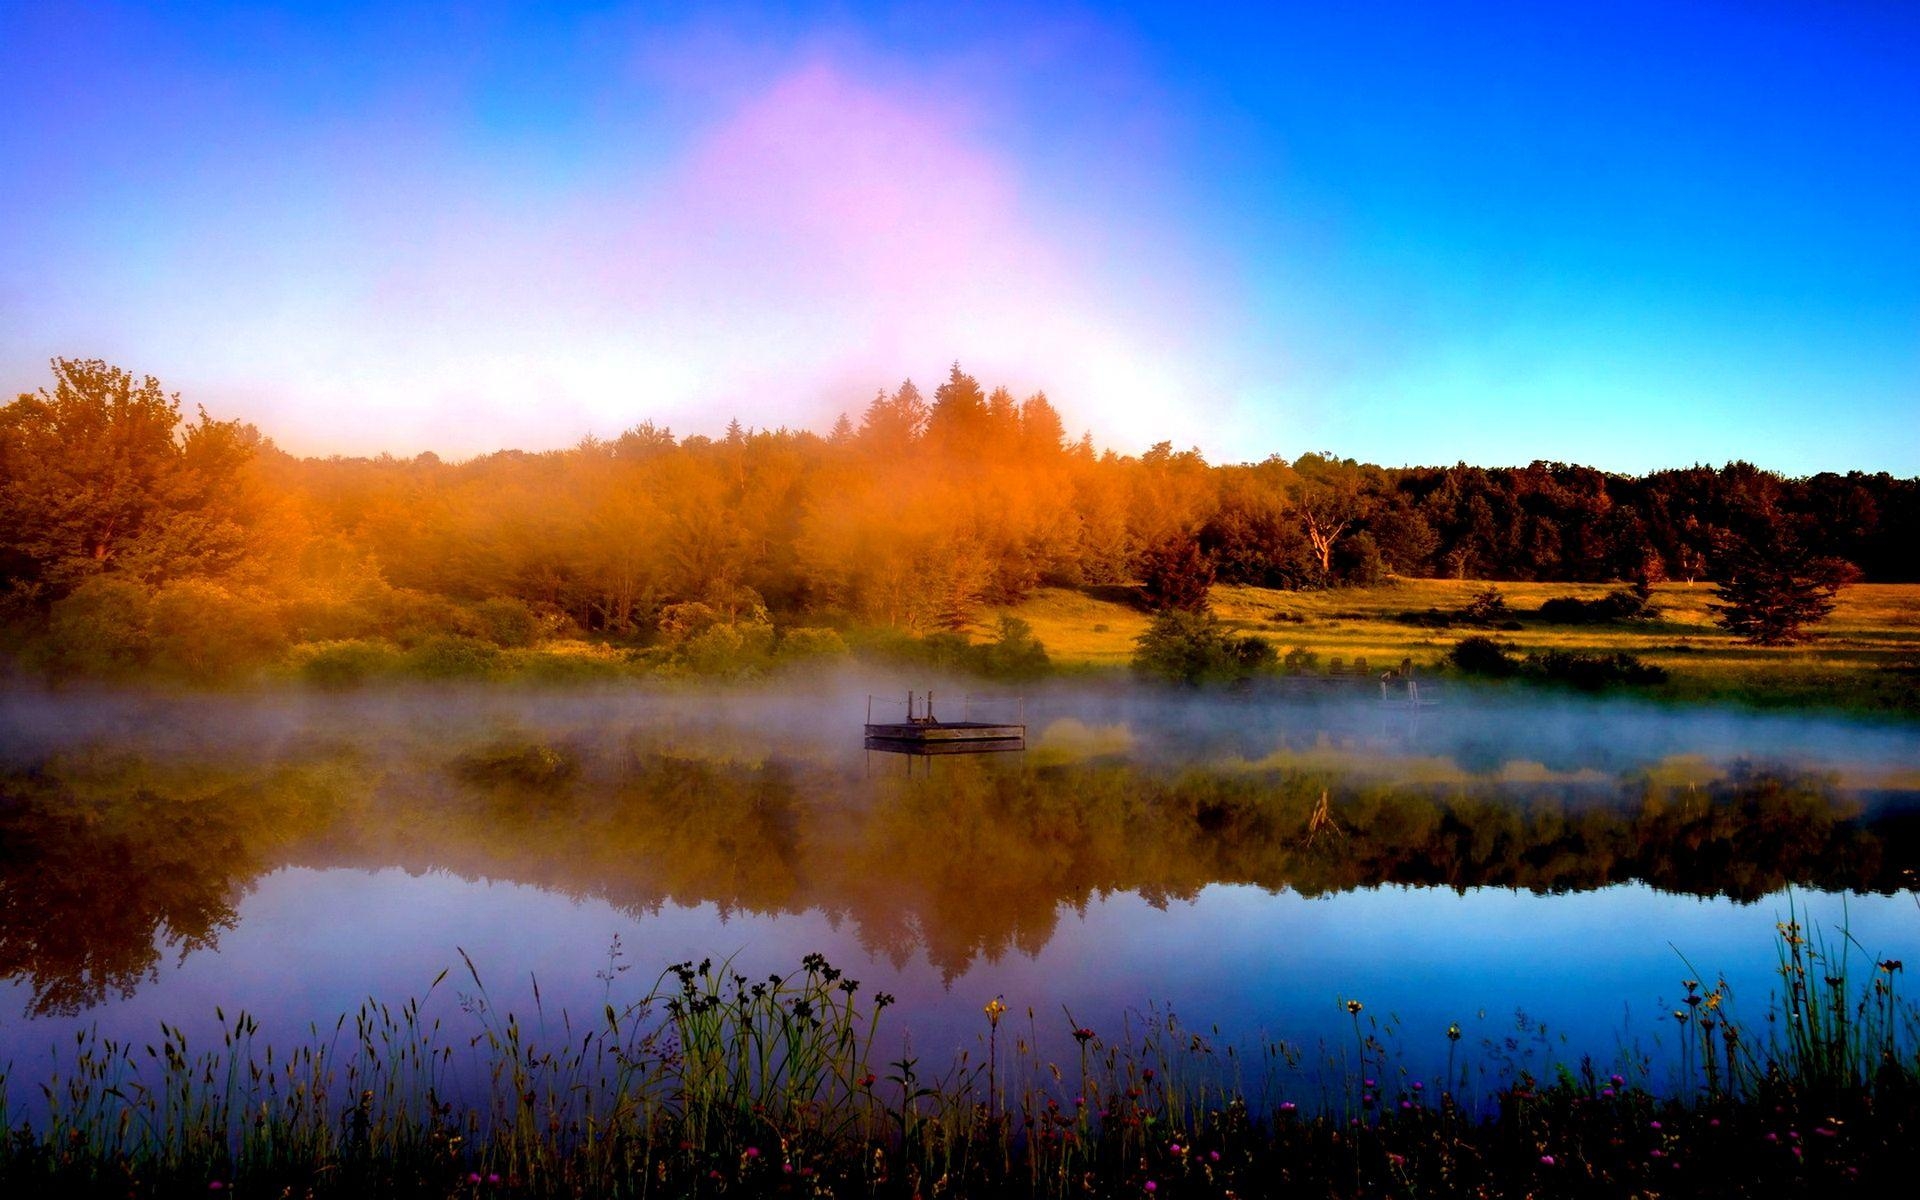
(507, 622)
(1487, 608)
(1014, 653)
(1593, 672)
(1194, 648)
(727, 650)
(345, 664)
(1300, 661)
(1483, 656)
(204, 632)
(1615, 606)
(678, 622)
(453, 658)
(99, 629)
(561, 670)
(806, 642)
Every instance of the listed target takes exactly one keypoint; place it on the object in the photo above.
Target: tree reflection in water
(112, 860)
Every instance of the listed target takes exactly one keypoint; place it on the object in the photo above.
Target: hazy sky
(1630, 235)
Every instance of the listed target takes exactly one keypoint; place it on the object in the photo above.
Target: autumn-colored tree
(1176, 574)
(102, 472)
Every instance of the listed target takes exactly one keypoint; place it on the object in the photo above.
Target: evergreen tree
(1773, 588)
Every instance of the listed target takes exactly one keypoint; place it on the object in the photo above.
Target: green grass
(1867, 655)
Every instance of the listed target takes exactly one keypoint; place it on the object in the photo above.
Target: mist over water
(1248, 860)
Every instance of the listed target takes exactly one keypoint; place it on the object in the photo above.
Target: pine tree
(1772, 588)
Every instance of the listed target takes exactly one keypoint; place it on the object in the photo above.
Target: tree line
(117, 508)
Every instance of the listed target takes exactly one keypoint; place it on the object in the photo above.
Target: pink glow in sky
(822, 234)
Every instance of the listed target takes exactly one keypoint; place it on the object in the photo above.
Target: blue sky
(1631, 235)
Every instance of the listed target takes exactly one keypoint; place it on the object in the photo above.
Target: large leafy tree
(102, 472)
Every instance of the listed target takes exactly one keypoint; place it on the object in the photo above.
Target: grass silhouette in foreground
(718, 1084)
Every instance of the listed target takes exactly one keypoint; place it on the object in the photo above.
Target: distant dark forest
(916, 513)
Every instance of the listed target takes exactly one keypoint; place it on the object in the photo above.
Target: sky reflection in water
(1146, 851)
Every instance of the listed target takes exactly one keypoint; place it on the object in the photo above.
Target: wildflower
(1653, 1124)
(1453, 1032)
(1083, 1035)
(1288, 1106)
(1616, 1081)
(1354, 1006)
(753, 1152)
(994, 1009)
(473, 1177)
(1152, 1186)
(1546, 1160)
(1214, 1155)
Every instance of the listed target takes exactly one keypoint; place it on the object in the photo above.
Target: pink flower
(1152, 1186)
(1546, 1160)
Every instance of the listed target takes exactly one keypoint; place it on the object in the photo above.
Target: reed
(714, 1083)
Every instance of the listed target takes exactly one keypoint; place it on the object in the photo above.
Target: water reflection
(114, 859)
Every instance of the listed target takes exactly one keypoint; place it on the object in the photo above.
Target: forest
(132, 534)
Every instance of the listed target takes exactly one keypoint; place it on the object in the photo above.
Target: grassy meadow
(1867, 654)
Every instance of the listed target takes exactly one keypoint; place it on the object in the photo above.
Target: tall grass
(715, 1083)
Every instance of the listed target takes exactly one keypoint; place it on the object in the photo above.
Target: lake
(1543, 872)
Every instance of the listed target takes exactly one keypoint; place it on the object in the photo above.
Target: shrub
(559, 670)
(1300, 661)
(99, 629)
(507, 622)
(453, 658)
(727, 650)
(1615, 606)
(807, 642)
(1194, 648)
(345, 664)
(204, 632)
(1593, 672)
(1483, 656)
(1014, 653)
(1486, 608)
(678, 622)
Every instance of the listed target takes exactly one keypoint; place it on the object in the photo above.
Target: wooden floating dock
(945, 731)
(931, 749)
(927, 734)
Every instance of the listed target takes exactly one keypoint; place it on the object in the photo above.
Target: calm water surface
(1542, 872)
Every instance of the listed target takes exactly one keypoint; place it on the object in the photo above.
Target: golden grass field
(1868, 649)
